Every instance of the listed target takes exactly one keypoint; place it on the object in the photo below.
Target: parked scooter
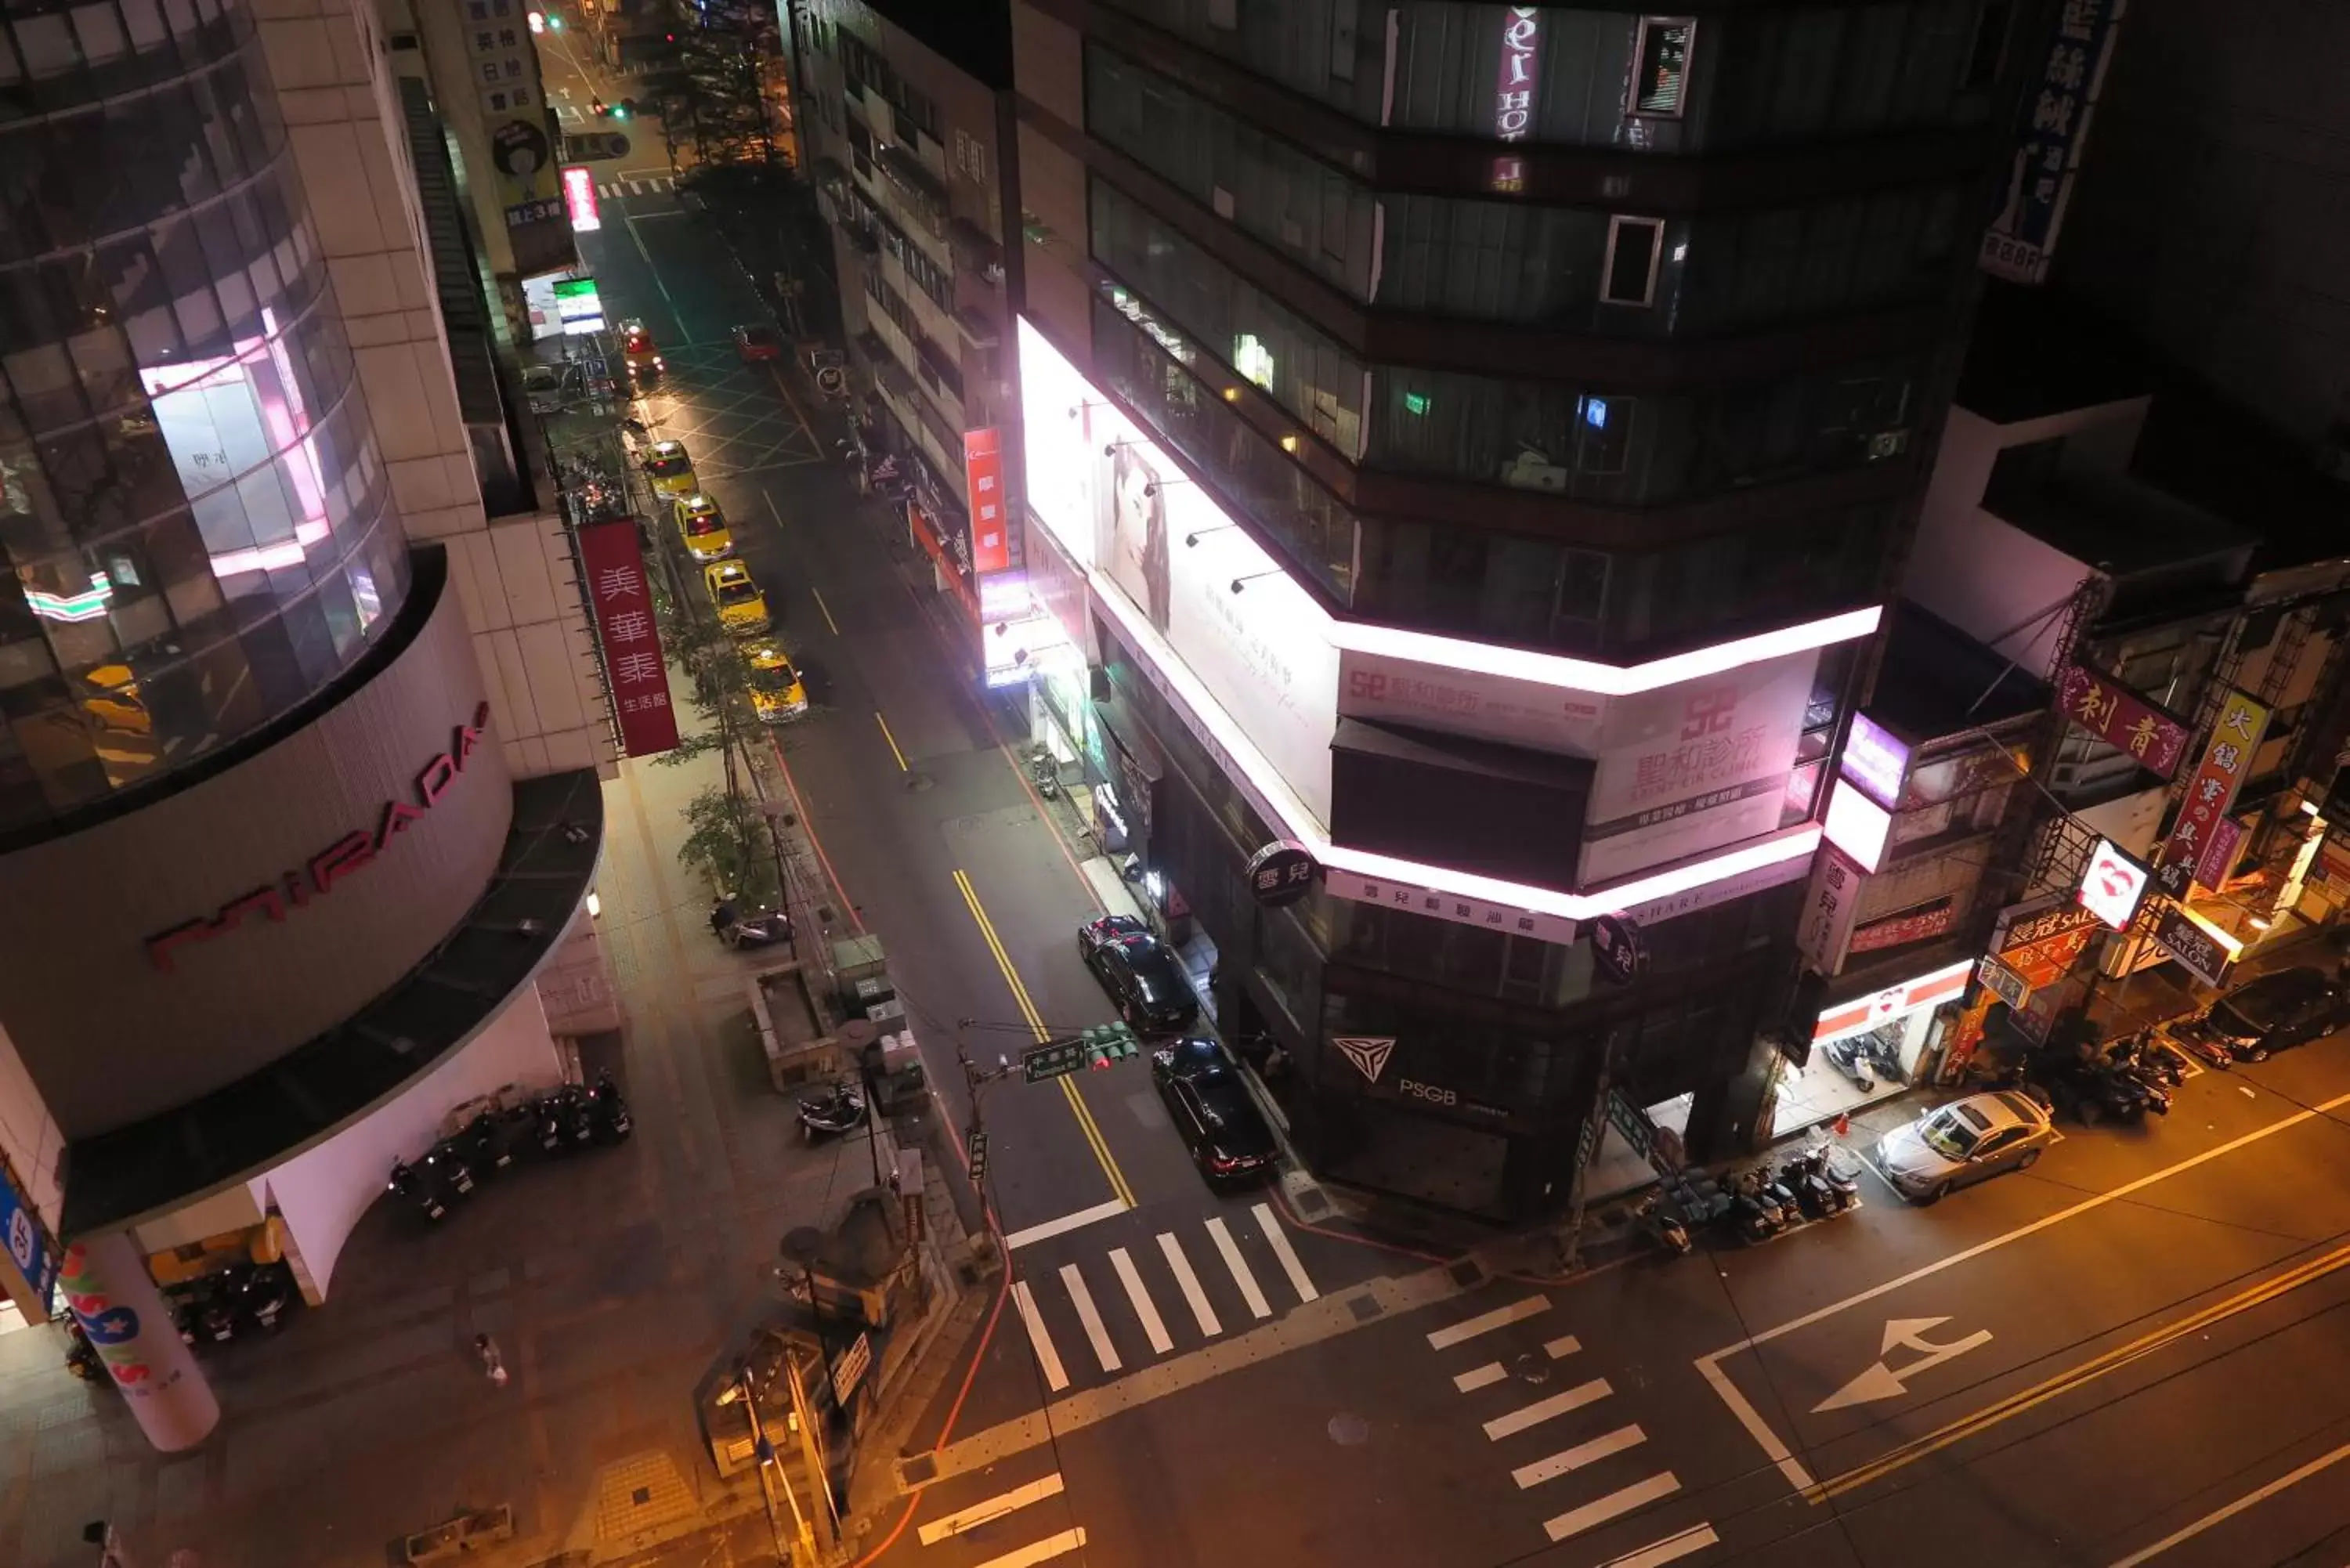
(259, 1296)
(485, 1144)
(608, 1110)
(1864, 1059)
(81, 1356)
(418, 1190)
(1820, 1191)
(445, 1165)
(839, 1109)
(1047, 772)
(1662, 1226)
(1753, 1214)
(763, 929)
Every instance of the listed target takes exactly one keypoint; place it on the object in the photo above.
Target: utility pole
(762, 1453)
(825, 1518)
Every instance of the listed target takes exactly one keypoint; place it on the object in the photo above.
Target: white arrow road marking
(993, 1508)
(1882, 1381)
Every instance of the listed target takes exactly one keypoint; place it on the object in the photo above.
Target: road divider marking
(1486, 1323)
(1580, 1456)
(1043, 1550)
(1063, 1226)
(1145, 1308)
(1616, 1504)
(1671, 1549)
(1056, 1377)
(1222, 1237)
(2082, 1374)
(891, 738)
(1485, 1376)
(822, 608)
(2250, 1499)
(1203, 1312)
(1092, 1129)
(1097, 1331)
(993, 1508)
(1775, 1448)
(1278, 1240)
(1542, 1410)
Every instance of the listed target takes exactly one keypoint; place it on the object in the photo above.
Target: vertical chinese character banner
(2202, 842)
(2063, 93)
(990, 524)
(622, 603)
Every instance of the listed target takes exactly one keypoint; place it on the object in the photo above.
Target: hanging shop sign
(1911, 926)
(613, 563)
(2113, 885)
(1516, 72)
(1280, 874)
(28, 1240)
(1877, 760)
(2199, 849)
(318, 876)
(2043, 948)
(1618, 948)
(1824, 930)
(1451, 907)
(2122, 719)
(2041, 169)
(1875, 1011)
(982, 471)
(2195, 945)
(2004, 983)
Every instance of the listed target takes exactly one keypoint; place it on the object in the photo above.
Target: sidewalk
(614, 1281)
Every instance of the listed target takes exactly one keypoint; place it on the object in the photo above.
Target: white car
(1965, 1141)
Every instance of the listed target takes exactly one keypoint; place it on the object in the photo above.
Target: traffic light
(624, 109)
(1109, 1043)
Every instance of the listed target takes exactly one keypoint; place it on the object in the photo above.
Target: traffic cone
(1843, 1123)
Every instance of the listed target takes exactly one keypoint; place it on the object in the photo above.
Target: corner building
(280, 854)
(1474, 442)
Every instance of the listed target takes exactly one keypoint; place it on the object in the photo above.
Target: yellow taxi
(742, 607)
(777, 692)
(670, 468)
(703, 527)
(111, 700)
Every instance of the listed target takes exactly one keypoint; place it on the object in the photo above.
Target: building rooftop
(1935, 681)
(2122, 526)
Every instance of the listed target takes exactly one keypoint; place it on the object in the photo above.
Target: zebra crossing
(635, 185)
(1577, 1434)
(1109, 1312)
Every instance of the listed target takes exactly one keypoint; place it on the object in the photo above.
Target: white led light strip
(1602, 680)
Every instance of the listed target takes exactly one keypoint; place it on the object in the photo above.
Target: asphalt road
(2134, 1348)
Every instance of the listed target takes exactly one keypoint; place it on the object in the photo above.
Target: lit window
(1664, 50)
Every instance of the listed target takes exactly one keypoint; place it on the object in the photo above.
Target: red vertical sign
(623, 602)
(982, 472)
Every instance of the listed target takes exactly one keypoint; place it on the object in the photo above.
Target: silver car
(1966, 1140)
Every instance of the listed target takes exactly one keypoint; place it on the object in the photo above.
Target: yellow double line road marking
(2079, 1376)
(1077, 1106)
(900, 756)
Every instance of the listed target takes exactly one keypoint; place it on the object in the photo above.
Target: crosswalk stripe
(1204, 1314)
(1486, 1323)
(1056, 1378)
(1104, 1351)
(993, 1508)
(1485, 1376)
(607, 192)
(1578, 1457)
(1239, 1266)
(1144, 1308)
(1043, 1550)
(1064, 1225)
(1639, 1494)
(1672, 1549)
(1542, 1410)
(1563, 1345)
(1278, 1240)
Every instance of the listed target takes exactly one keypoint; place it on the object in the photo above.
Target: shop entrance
(1856, 1069)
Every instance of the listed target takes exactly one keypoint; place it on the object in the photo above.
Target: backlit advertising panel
(2112, 886)
(613, 561)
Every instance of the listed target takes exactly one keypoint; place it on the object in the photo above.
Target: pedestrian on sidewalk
(493, 1365)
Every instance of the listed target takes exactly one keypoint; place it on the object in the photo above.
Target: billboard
(613, 563)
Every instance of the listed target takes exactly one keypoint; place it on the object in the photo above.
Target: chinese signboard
(2003, 983)
(579, 200)
(2112, 886)
(2199, 953)
(2040, 178)
(1877, 760)
(2042, 948)
(2121, 719)
(515, 115)
(2202, 845)
(1823, 929)
(1280, 874)
(1914, 926)
(1447, 905)
(26, 1240)
(617, 593)
(982, 471)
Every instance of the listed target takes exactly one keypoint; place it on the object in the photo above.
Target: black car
(1220, 1123)
(1141, 975)
(2267, 1014)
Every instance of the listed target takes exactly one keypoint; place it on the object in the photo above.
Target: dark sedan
(2277, 1010)
(1211, 1108)
(1141, 975)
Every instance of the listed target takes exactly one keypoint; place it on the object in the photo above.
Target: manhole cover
(1348, 1431)
(1530, 1368)
(1365, 1308)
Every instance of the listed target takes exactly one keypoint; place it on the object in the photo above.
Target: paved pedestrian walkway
(612, 1283)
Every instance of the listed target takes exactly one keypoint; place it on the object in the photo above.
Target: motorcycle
(1047, 772)
(1662, 1226)
(81, 1356)
(418, 1190)
(575, 1115)
(839, 1109)
(1754, 1215)
(1821, 1190)
(1864, 1059)
(485, 1145)
(763, 929)
(2150, 1059)
(446, 1165)
(608, 1110)
(259, 1296)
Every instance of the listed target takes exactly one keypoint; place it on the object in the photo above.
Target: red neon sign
(579, 200)
(982, 471)
(614, 561)
(318, 876)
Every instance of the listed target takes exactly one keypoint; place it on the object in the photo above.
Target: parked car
(1141, 975)
(670, 468)
(756, 341)
(2266, 1015)
(1220, 1123)
(1963, 1142)
(742, 607)
(777, 693)
(703, 527)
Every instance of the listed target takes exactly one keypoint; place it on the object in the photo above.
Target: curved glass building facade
(196, 525)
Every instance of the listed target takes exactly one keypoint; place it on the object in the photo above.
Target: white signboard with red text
(2112, 884)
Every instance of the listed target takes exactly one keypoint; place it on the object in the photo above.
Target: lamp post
(762, 1453)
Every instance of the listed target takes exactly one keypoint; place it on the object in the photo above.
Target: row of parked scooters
(2127, 1082)
(1754, 1204)
(213, 1309)
(560, 1121)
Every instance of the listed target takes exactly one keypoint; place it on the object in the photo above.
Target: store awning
(134, 1173)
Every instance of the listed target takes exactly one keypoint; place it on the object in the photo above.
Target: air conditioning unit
(1887, 444)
